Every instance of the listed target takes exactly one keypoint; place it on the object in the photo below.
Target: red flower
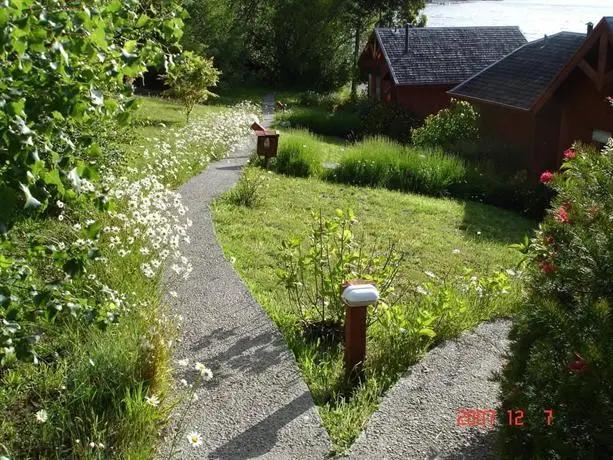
(547, 267)
(569, 154)
(577, 365)
(609, 99)
(546, 177)
(561, 215)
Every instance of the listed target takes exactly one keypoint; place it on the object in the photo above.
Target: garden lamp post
(356, 295)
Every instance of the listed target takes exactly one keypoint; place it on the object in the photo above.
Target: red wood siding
(423, 100)
(585, 110)
(510, 129)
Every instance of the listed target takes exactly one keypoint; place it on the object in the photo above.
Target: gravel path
(416, 419)
(257, 405)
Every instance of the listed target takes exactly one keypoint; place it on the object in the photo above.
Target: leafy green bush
(450, 127)
(562, 345)
(298, 155)
(312, 275)
(387, 119)
(379, 162)
(248, 191)
(329, 101)
(189, 79)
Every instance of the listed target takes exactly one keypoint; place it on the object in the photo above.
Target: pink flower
(546, 177)
(609, 99)
(569, 154)
(561, 215)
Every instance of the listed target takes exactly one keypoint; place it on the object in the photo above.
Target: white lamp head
(360, 295)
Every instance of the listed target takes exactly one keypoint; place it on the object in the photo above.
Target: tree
(362, 15)
(190, 78)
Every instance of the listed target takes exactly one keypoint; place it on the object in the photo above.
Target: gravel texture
(256, 405)
(417, 418)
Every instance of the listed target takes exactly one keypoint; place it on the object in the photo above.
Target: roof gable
(527, 78)
(444, 55)
(520, 78)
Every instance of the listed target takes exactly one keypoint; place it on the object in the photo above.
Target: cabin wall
(511, 132)
(423, 100)
(584, 110)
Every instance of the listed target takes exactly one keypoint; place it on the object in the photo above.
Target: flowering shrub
(562, 344)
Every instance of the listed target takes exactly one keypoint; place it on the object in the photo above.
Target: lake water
(535, 18)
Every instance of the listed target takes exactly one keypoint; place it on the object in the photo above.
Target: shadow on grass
(487, 222)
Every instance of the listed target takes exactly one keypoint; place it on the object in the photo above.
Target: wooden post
(355, 341)
(355, 336)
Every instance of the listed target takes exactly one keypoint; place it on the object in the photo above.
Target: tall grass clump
(299, 155)
(379, 162)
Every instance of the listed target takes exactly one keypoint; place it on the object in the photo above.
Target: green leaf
(93, 230)
(93, 150)
(142, 20)
(19, 45)
(53, 178)
(427, 332)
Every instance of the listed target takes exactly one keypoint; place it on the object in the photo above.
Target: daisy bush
(562, 344)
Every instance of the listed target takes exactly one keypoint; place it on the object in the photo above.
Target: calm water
(534, 17)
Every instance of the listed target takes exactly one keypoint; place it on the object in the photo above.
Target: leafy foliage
(189, 79)
(333, 255)
(64, 83)
(387, 119)
(563, 342)
(248, 191)
(450, 126)
(272, 42)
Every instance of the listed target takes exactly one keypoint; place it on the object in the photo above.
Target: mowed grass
(428, 229)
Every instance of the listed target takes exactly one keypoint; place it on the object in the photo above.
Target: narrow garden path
(417, 417)
(256, 405)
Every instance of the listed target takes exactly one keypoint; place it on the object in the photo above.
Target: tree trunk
(356, 56)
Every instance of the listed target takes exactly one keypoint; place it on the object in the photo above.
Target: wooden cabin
(547, 94)
(417, 66)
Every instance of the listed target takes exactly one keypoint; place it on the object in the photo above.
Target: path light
(357, 295)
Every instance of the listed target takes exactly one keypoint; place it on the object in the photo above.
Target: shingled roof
(444, 55)
(520, 78)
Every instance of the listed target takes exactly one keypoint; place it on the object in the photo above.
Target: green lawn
(430, 230)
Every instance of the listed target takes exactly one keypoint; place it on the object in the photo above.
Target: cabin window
(370, 86)
(601, 137)
(378, 89)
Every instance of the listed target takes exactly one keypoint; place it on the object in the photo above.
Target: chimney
(407, 26)
(590, 27)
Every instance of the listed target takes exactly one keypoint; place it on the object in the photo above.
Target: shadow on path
(259, 439)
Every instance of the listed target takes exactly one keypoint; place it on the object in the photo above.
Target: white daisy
(152, 400)
(42, 416)
(194, 439)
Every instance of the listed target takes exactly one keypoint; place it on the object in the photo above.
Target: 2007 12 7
(487, 417)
